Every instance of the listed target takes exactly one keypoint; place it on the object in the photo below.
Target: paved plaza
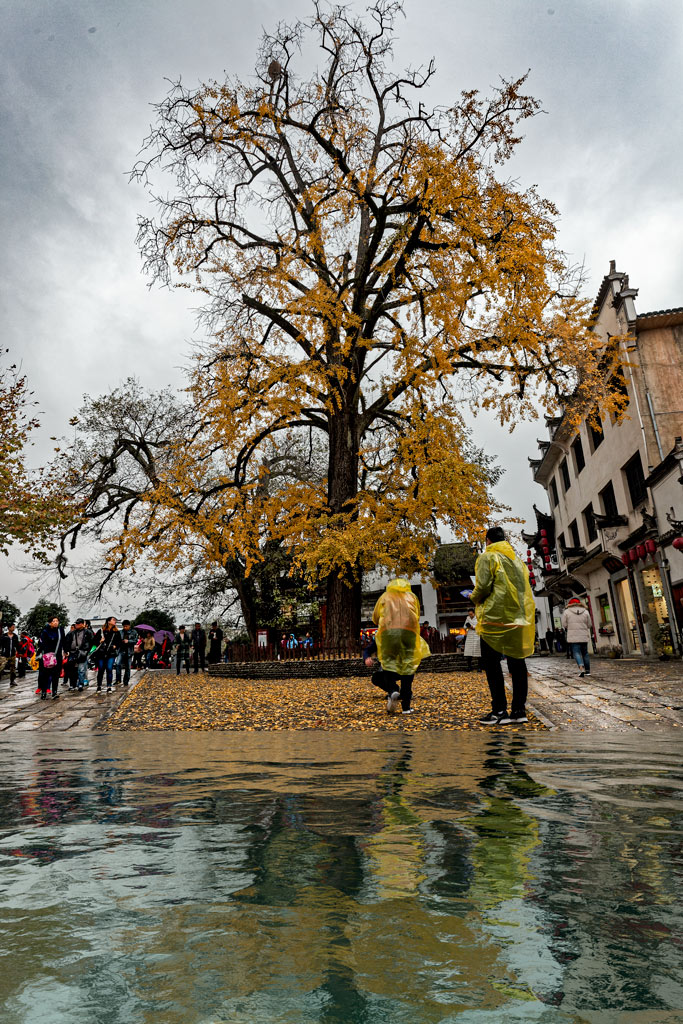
(618, 696)
(22, 710)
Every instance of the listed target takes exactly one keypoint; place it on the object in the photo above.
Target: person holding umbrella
(148, 643)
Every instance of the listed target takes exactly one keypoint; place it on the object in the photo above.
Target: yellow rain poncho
(400, 647)
(506, 613)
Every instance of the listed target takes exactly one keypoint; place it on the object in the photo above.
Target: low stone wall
(311, 669)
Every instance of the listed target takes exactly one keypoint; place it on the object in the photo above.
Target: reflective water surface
(337, 877)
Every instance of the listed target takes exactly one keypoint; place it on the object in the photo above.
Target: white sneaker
(393, 702)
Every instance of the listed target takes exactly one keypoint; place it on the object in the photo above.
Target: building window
(574, 534)
(608, 501)
(553, 493)
(635, 480)
(579, 460)
(605, 613)
(564, 475)
(618, 383)
(595, 433)
(589, 523)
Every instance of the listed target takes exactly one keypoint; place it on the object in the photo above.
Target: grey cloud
(77, 105)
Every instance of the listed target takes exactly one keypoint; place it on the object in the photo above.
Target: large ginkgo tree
(366, 272)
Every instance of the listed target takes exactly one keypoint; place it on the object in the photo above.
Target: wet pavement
(326, 878)
(22, 710)
(620, 696)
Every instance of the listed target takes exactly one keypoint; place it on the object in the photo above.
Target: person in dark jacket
(108, 641)
(198, 647)
(9, 650)
(70, 665)
(129, 638)
(182, 654)
(215, 643)
(78, 644)
(52, 652)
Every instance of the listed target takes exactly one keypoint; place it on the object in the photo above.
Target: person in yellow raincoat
(400, 648)
(506, 624)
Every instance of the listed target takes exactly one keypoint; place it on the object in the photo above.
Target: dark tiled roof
(661, 312)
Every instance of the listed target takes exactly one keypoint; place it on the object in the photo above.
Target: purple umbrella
(161, 635)
(141, 625)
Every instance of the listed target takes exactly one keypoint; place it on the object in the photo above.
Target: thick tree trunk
(343, 587)
(247, 597)
(343, 613)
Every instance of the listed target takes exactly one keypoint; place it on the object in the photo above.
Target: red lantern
(633, 554)
(545, 549)
(641, 551)
(544, 533)
(650, 546)
(625, 558)
(678, 543)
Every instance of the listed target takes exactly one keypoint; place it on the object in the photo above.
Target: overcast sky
(78, 78)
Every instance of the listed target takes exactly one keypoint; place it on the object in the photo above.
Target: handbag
(49, 659)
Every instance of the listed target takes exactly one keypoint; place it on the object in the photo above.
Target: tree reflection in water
(308, 878)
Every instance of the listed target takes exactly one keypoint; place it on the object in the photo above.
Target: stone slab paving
(618, 696)
(22, 710)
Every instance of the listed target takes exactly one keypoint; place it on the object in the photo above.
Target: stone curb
(335, 668)
(541, 717)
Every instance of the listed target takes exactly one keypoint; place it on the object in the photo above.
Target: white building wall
(603, 465)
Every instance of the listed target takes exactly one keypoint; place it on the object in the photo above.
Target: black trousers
(390, 682)
(71, 673)
(494, 677)
(123, 665)
(199, 658)
(182, 659)
(48, 678)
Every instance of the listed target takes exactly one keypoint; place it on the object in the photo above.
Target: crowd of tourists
(109, 653)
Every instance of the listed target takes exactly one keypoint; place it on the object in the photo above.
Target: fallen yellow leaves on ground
(162, 700)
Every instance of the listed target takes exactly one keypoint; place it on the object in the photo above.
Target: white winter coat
(472, 641)
(577, 623)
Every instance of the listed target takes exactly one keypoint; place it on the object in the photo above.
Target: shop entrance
(656, 602)
(628, 617)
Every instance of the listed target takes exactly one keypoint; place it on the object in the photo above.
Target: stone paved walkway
(618, 695)
(22, 710)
